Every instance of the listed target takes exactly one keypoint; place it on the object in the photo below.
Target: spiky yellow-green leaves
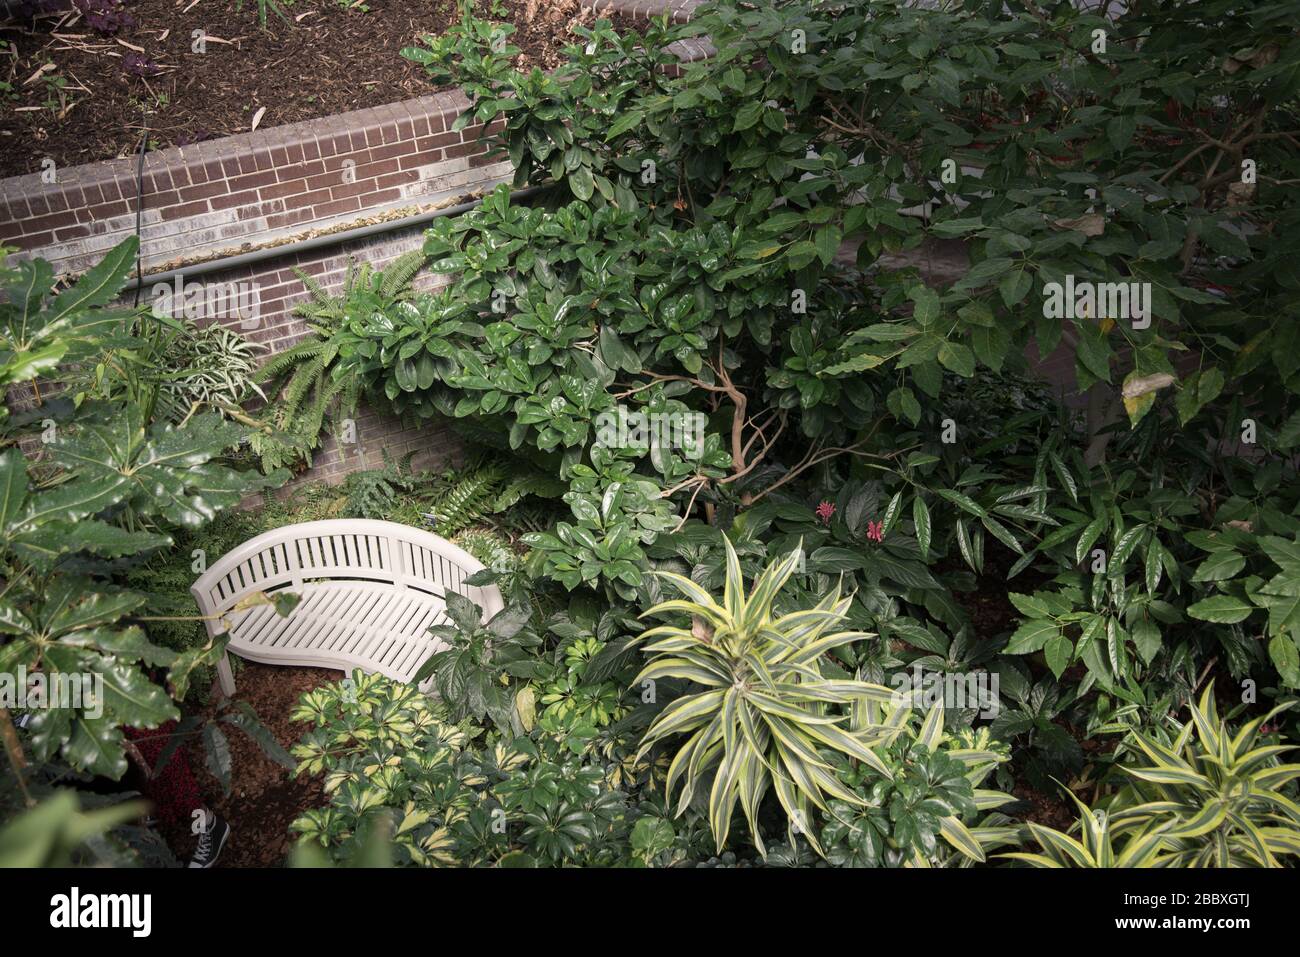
(1208, 799)
(764, 719)
(1221, 795)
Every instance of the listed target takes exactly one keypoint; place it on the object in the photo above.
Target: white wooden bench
(369, 593)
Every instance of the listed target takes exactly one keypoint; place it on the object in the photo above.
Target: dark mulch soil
(326, 59)
(264, 797)
(990, 609)
(1052, 810)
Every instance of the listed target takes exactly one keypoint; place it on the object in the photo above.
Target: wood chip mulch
(326, 59)
(264, 797)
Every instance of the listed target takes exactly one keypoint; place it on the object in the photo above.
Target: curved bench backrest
(355, 549)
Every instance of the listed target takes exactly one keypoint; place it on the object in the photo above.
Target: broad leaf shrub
(393, 760)
(94, 477)
(1124, 188)
(685, 262)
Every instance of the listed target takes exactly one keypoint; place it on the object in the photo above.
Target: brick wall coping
(679, 11)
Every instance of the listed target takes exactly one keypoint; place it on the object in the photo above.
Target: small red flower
(876, 531)
(824, 511)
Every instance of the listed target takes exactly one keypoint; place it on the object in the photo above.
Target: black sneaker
(211, 841)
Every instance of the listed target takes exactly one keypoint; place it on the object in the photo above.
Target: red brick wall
(228, 195)
(268, 188)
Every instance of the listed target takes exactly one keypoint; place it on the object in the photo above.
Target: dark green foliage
(377, 493)
(112, 482)
(471, 674)
(482, 489)
(304, 380)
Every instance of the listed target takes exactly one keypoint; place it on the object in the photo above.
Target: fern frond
(490, 549)
(400, 272)
(282, 362)
(305, 380)
(319, 297)
(524, 485)
(468, 500)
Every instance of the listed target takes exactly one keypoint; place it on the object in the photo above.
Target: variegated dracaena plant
(766, 711)
(1208, 799)
(1099, 843)
(1220, 794)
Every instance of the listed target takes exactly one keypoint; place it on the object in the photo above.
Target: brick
(303, 200)
(161, 200)
(465, 149)
(428, 143)
(397, 179)
(291, 218)
(204, 191)
(337, 208)
(352, 189)
(108, 210)
(253, 180)
(157, 181)
(280, 190)
(52, 221)
(325, 180)
(380, 197)
(231, 200)
(416, 160)
(185, 210)
(371, 170)
(391, 150)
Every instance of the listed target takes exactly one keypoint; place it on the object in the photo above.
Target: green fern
(379, 493)
(468, 500)
(309, 394)
(517, 488)
(530, 515)
(484, 487)
(491, 549)
(401, 272)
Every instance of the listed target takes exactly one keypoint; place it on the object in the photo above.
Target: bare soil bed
(80, 85)
(264, 798)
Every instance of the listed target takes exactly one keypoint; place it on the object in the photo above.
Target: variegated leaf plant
(766, 713)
